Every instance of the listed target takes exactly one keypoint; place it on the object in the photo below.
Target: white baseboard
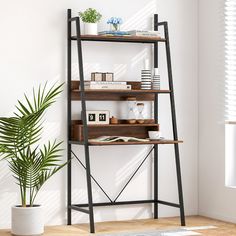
(218, 216)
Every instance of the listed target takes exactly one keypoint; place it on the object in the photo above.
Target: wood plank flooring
(223, 228)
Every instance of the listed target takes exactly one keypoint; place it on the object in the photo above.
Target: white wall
(215, 200)
(33, 50)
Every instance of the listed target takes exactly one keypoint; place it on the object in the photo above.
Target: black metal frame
(86, 166)
(155, 163)
(68, 117)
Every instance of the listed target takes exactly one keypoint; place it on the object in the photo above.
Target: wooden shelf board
(117, 95)
(128, 39)
(128, 143)
(123, 125)
(141, 91)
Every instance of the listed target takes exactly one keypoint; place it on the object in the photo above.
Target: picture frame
(96, 76)
(108, 76)
(100, 76)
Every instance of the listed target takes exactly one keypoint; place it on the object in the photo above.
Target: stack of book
(106, 85)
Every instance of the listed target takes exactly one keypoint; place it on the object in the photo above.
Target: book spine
(145, 33)
(118, 33)
(105, 83)
(109, 86)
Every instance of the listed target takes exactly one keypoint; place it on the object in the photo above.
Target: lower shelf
(151, 142)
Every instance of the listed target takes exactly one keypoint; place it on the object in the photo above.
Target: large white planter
(27, 221)
(91, 28)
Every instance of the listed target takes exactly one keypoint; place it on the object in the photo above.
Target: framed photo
(96, 76)
(98, 117)
(108, 76)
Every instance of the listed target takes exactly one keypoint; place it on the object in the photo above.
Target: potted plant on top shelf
(31, 163)
(90, 17)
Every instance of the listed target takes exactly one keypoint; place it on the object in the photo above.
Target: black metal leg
(156, 182)
(175, 134)
(155, 163)
(85, 130)
(68, 118)
(89, 188)
(69, 187)
(178, 171)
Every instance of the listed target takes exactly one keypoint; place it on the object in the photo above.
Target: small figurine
(113, 120)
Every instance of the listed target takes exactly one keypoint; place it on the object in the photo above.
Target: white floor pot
(27, 221)
(91, 28)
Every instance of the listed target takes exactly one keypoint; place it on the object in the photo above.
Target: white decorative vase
(91, 28)
(27, 221)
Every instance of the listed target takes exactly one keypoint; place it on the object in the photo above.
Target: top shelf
(127, 39)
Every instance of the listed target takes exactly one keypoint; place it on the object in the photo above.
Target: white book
(109, 86)
(144, 33)
(104, 82)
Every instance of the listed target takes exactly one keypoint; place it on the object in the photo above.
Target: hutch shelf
(80, 133)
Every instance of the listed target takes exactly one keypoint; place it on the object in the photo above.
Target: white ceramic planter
(91, 28)
(27, 221)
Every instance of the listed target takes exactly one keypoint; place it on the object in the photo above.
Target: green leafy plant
(31, 164)
(90, 15)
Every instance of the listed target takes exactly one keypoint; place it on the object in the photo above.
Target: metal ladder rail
(85, 129)
(174, 124)
(68, 116)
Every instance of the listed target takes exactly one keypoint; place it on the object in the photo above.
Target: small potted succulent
(90, 17)
(115, 23)
(31, 162)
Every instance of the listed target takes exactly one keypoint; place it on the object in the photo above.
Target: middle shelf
(115, 95)
(123, 129)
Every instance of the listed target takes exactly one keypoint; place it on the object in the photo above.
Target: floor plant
(31, 162)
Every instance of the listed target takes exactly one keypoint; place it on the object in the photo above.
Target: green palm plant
(32, 164)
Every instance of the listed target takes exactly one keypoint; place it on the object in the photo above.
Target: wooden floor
(223, 228)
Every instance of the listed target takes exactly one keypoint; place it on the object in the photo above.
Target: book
(108, 86)
(114, 33)
(122, 85)
(104, 82)
(110, 139)
(144, 33)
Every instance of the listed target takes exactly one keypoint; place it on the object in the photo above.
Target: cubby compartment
(120, 129)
